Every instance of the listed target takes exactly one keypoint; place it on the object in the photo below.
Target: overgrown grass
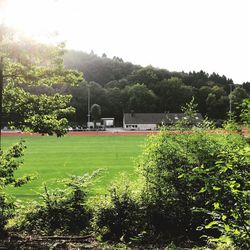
(51, 158)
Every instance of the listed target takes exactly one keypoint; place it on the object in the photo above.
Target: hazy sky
(212, 35)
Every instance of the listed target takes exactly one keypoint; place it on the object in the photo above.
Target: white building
(152, 121)
(108, 122)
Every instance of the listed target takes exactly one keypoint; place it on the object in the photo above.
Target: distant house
(108, 122)
(152, 121)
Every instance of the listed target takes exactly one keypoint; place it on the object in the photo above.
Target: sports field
(52, 158)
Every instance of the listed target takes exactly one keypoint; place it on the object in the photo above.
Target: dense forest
(119, 86)
(115, 85)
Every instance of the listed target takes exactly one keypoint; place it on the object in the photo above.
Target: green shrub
(230, 213)
(231, 124)
(245, 113)
(190, 185)
(186, 177)
(9, 163)
(62, 211)
(119, 217)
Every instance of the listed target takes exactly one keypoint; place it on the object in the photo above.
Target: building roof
(157, 118)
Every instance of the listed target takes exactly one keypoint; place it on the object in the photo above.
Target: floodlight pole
(88, 104)
(230, 102)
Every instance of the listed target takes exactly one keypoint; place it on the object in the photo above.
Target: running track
(84, 133)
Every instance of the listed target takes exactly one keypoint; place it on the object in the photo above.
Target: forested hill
(120, 86)
(99, 69)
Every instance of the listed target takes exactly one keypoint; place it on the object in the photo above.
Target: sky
(178, 35)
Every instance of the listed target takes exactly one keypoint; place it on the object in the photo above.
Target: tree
(36, 113)
(95, 112)
(172, 94)
(116, 103)
(140, 98)
(237, 96)
(28, 63)
(217, 103)
(246, 86)
(245, 112)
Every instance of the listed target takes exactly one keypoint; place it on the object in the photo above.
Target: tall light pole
(230, 102)
(88, 104)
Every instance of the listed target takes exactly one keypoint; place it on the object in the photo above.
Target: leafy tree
(146, 76)
(237, 96)
(172, 94)
(201, 97)
(246, 86)
(28, 63)
(116, 103)
(9, 163)
(95, 111)
(79, 101)
(245, 112)
(41, 114)
(217, 103)
(140, 98)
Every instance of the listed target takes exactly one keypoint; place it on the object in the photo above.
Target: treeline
(119, 86)
(45, 72)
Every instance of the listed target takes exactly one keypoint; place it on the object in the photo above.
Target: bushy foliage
(206, 124)
(245, 113)
(186, 177)
(119, 216)
(191, 185)
(62, 211)
(26, 64)
(9, 163)
(231, 192)
(230, 123)
(36, 113)
(190, 111)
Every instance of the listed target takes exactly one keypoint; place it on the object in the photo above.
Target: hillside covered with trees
(119, 86)
(116, 86)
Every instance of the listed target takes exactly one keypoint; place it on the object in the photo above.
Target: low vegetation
(192, 189)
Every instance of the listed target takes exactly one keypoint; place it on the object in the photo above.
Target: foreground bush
(62, 211)
(10, 161)
(120, 217)
(188, 177)
(191, 185)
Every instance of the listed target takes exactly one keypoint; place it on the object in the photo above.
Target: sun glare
(32, 18)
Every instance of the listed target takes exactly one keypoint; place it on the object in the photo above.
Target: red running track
(84, 133)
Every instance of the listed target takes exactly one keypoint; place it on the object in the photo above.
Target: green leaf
(211, 224)
(203, 189)
(216, 188)
(227, 227)
(216, 205)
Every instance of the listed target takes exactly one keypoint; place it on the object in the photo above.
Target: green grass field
(51, 158)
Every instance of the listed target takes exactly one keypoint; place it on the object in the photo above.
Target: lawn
(52, 159)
